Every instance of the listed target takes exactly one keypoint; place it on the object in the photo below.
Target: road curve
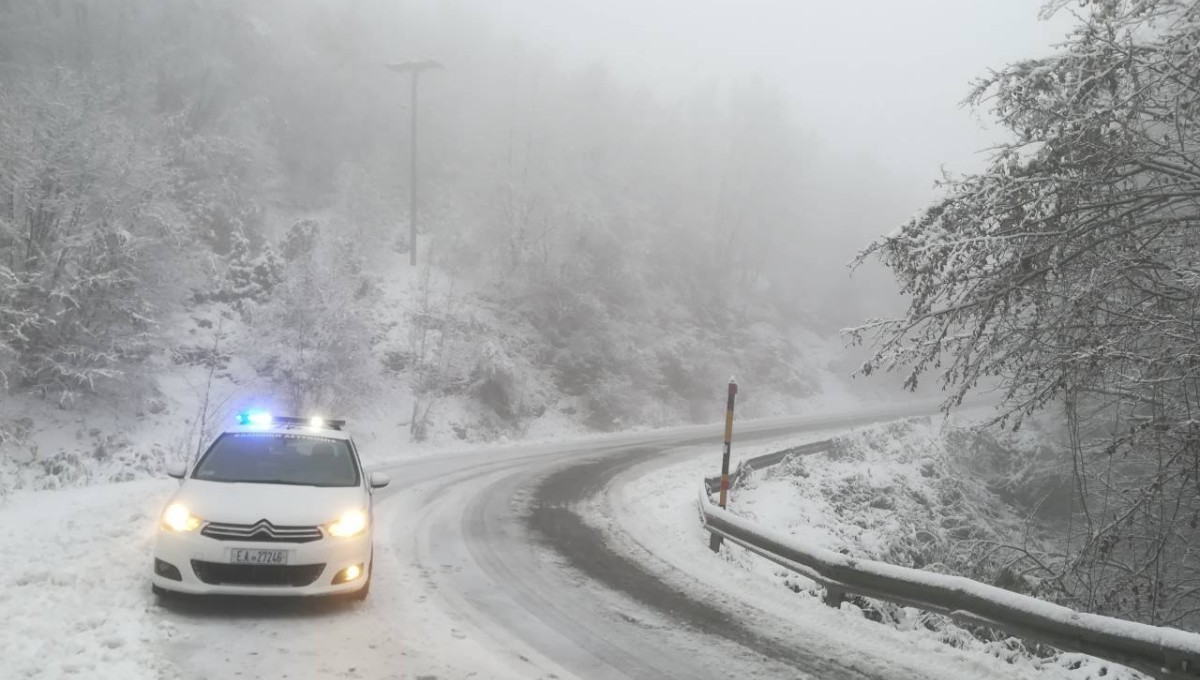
(506, 536)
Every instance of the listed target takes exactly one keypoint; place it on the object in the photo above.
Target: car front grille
(219, 574)
(261, 531)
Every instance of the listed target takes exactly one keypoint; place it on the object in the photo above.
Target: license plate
(257, 556)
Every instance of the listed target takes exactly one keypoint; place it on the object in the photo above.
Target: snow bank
(75, 595)
(900, 493)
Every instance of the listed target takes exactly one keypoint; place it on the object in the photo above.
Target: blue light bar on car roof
(264, 419)
(255, 418)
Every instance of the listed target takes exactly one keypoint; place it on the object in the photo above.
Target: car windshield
(277, 458)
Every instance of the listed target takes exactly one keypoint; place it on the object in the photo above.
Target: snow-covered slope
(896, 492)
(459, 360)
(912, 493)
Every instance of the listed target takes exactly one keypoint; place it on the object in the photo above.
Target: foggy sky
(877, 86)
(877, 80)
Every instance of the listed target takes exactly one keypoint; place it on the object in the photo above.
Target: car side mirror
(379, 480)
(176, 470)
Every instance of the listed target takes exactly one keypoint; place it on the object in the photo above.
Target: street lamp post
(415, 68)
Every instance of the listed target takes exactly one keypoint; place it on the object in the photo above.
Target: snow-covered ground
(75, 602)
(75, 595)
(650, 514)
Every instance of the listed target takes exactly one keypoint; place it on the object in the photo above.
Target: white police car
(276, 506)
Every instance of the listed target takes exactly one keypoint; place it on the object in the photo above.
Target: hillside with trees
(218, 191)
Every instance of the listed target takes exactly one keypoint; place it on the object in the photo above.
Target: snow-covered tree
(85, 235)
(315, 336)
(1068, 273)
(248, 275)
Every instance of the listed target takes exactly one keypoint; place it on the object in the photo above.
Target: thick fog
(877, 86)
(874, 78)
(873, 92)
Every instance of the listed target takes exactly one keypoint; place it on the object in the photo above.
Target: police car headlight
(178, 518)
(351, 523)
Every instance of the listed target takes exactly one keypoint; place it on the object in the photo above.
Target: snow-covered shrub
(1024, 469)
(96, 457)
(316, 333)
(908, 493)
(506, 383)
(220, 172)
(612, 403)
(449, 348)
(248, 277)
(301, 240)
(766, 356)
(14, 435)
(86, 237)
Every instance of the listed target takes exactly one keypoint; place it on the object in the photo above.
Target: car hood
(279, 504)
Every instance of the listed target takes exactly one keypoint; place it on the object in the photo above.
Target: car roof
(288, 429)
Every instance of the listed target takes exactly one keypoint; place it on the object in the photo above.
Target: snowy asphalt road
(487, 567)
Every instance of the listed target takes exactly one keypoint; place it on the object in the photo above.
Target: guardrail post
(834, 597)
(714, 541)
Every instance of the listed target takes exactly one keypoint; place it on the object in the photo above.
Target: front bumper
(179, 549)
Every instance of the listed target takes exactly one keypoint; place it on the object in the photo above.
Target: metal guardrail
(1163, 653)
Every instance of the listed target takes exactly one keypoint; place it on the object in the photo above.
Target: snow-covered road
(505, 563)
